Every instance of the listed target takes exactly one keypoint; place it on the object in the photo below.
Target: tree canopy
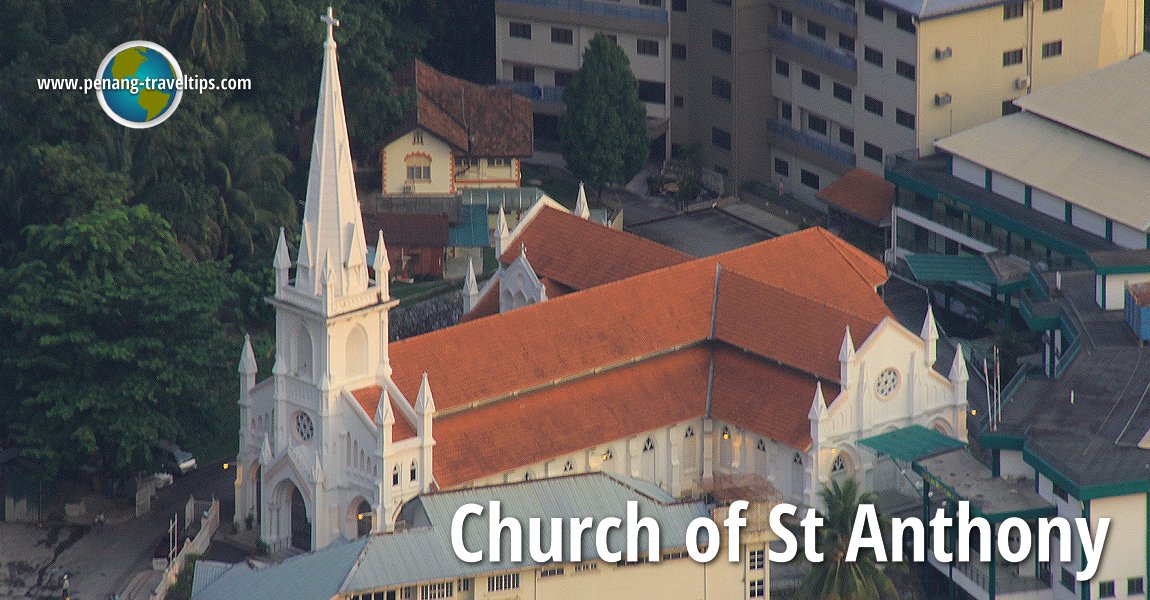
(114, 341)
(603, 132)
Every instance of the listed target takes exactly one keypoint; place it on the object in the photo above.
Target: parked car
(178, 460)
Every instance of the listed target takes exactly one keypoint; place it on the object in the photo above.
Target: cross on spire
(331, 21)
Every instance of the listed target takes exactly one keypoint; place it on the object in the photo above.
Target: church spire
(332, 226)
(582, 210)
(502, 235)
(470, 288)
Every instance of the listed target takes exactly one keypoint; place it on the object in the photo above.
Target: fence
(197, 545)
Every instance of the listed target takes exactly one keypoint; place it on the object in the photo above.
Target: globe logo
(139, 84)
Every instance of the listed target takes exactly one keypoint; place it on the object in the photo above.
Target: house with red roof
(757, 370)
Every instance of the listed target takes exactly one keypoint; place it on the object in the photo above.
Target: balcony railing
(834, 56)
(534, 92)
(602, 9)
(814, 143)
(845, 14)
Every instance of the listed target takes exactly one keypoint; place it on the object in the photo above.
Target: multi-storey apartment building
(800, 91)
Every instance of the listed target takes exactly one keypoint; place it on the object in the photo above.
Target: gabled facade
(458, 135)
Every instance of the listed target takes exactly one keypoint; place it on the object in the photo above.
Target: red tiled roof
(404, 229)
(368, 398)
(561, 354)
(474, 119)
(538, 426)
(862, 194)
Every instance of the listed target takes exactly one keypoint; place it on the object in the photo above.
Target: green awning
(911, 443)
(949, 268)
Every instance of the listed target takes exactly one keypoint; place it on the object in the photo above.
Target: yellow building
(418, 560)
(458, 135)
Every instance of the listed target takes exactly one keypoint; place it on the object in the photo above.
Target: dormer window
(417, 137)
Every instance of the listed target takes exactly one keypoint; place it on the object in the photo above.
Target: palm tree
(211, 29)
(834, 578)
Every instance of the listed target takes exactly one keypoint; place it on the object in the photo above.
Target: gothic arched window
(648, 445)
(413, 470)
(356, 352)
(395, 475)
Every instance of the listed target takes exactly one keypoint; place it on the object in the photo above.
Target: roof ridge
(802, 297)
(835, 242)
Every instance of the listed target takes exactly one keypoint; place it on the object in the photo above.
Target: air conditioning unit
(943, 53)
(407, 189)
(1022, 83)
(942, 99)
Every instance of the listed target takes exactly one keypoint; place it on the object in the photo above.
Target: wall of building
(395, 155)
(1124, 554)
(483, 172)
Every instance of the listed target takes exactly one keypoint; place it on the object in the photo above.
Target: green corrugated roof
(945, 268)
(911, 443)
(471, 230)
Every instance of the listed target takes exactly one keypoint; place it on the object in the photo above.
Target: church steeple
(332, 229)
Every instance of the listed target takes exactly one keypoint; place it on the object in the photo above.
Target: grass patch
(420, 290)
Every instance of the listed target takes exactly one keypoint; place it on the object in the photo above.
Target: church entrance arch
(299, 523)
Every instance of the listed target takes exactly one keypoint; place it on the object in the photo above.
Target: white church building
(740, 370)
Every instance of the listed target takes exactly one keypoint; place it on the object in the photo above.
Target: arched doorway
(300, 524)
(363, 517)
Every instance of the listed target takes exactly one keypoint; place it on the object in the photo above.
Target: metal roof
(930, 9)
(911, 443)
(512, 199)
(424, 553)
(1110, 104)
(471, 230)
(962, 477)
(1064, 162)
(946, 268)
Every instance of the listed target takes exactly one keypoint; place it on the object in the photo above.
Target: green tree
(834, 578)
(603, 132)
(211, 29)
(114, 342)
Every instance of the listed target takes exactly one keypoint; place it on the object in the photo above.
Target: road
(102, 559)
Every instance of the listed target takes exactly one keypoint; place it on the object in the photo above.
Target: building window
(847, 136)
(905, 69)
(797, 459)
(1135, 586)
(418, 168)
(761, 445)
(647, 47)
(432, 591)
(586, 566)
(721, 41)
(1048, 5)
(465, 584)
(689, 433)
(843, 93)
(816, 124)
(1012, 10)
(608, 455)
(417, 137)
(872, 105)
(782, 167)
(847, 42)
(678, 101)
(1009, 108)
(838, 465)
(786, 18)
(785, 111)
(520, 30)
(651, 2)
(904, 118)
(1012, 57)
(757, 589)
(1105, 589)
(395, 475)
(873, 9)
(809, 179)
(816, 29)
(679, 51)
(1051, 49)
(648, 445)
(654, 92)
(562, 78)
(568, 467)
(1061, 492)
(523, 74)
(721, 88)
(811, 80)
(1067, 579)
(679, 5)
(782, 67)
(552, 572)
(562, 35)
(497, 583)
(721, 138)
(755, 560)
(872, 152)
(905, 22)
(872, 56)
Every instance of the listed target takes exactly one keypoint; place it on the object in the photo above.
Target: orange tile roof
(789, 317)
(567, 418)
(475, 119)
(764, 397)
(368, 398)
(862, 194)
